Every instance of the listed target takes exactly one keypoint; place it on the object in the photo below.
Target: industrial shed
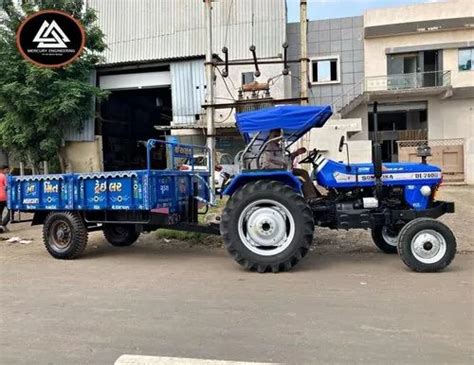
(154, 70)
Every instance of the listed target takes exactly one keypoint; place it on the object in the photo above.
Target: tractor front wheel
(426, 245)
(267, 226)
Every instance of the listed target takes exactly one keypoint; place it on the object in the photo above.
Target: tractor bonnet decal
(343, 178)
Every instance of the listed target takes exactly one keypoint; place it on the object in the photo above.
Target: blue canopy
(294, 120)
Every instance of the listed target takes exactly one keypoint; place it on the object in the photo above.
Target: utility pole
(210, 132)
(305, 140)
(304, 51)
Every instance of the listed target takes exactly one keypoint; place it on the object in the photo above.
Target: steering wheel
(311, 158)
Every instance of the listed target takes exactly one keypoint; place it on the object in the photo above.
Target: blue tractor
(268, 224)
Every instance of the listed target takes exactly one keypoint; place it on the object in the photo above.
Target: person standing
(3, 196)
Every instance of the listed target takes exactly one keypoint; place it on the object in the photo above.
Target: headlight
(425, 190)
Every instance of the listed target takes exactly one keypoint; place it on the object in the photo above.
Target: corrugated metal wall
(141, 30)
(188, 82)
(88, 131)
(85, 134)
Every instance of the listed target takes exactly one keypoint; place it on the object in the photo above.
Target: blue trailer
(122, 204)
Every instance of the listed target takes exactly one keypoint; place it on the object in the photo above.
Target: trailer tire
(384, 239)
(426, 245)
(64, 235)
(120, 235)
(278, 214)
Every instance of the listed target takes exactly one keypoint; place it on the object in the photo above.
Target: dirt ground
(345, 303)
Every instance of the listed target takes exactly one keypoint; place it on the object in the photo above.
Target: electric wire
(225, 84)
(227, 22)
(227, 117)
(253, 22)
(230, 80)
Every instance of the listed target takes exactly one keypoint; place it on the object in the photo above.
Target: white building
(417, 62)
(418, 66)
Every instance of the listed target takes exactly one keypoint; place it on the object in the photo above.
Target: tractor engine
(407, 184)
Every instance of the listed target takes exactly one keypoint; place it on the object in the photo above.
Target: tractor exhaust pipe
(377, 155)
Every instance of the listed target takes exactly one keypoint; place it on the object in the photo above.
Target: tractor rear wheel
(426, 245)
(64, 235)
(120, 235)
(386, 238)
(267, 226)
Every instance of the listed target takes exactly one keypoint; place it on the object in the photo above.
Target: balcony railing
(400, 135)
(417, 80)
(398, 82)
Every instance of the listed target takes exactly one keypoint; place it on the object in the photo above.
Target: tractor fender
(283, 176)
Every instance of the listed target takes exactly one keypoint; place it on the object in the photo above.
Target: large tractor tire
(266, 226)
(426, 245)
(64, 235)
(120, 235)
(386, 239)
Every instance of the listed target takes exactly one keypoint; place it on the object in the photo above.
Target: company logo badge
(51, 35)
(50, 38)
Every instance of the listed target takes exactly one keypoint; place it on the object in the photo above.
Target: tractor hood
(295, 121)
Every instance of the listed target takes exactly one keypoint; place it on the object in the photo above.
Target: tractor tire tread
(79, 229)
(279, 189)
(404, 244)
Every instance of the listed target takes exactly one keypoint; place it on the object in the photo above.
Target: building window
(325, 70)
(247, 78)
(466, 59)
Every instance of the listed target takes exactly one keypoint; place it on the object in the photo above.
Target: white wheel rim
(428, 246)
(266, 227)
(388, 238)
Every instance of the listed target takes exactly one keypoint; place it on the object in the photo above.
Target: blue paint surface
(169, 190)
(411, 176)
(245, 177)
(333, 175)
(127, 190)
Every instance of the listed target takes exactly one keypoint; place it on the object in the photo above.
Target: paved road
(197, 303)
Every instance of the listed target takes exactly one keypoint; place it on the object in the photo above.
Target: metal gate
(446, 153)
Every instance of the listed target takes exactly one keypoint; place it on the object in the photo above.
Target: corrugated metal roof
(143, 30)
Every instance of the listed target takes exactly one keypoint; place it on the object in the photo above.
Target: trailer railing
(188, 152)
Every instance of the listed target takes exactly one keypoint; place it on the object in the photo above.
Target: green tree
(36, 104)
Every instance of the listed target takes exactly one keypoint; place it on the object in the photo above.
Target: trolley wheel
(426, 245)
(64, 235)
(120, 235)
(386, 238)
(266, 226)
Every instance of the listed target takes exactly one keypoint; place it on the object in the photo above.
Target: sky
(325, 9)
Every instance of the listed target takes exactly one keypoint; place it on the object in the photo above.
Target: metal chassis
(368, 219)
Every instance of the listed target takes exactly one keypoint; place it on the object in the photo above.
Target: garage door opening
(128, 118)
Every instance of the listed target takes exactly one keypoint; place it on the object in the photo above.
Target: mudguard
(283, 176)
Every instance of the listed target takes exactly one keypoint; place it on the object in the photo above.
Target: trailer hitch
(212, 201)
